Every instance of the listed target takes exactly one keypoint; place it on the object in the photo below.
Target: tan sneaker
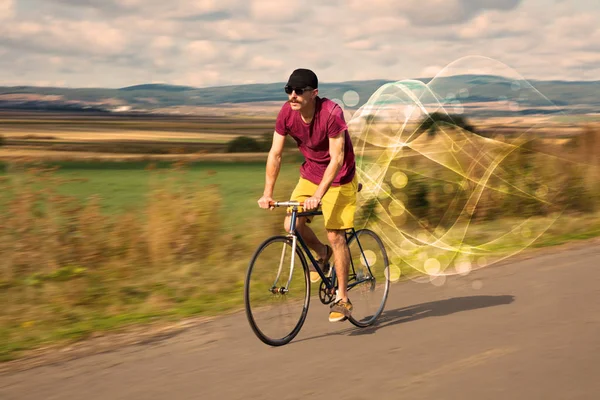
(340, 310)
(314, 276)
(323, 264)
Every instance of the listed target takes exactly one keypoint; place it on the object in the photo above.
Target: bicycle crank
(326, 295)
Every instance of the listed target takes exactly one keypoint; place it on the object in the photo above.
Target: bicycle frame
(297, 238)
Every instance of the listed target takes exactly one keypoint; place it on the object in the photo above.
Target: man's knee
(336, 237)
(300, 222)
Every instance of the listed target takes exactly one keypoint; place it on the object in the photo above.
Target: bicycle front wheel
(276, 294)
(368, 278)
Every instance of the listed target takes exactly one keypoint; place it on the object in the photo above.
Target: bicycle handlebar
(286, 203)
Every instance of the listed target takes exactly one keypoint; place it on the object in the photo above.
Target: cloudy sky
(116, 43)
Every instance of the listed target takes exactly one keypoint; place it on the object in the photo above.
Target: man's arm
(273, 166)
(336, 152)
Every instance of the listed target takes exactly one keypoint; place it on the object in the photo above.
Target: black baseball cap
(302, 78)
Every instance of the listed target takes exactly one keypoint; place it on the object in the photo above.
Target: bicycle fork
(285, 289)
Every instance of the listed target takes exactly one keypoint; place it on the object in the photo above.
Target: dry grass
(66, 267)
(68, 270)
(43, 231)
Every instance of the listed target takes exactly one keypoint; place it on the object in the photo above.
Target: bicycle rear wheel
(368, 279)
(277, 305)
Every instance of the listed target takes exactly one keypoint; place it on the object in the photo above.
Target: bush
(244, 144)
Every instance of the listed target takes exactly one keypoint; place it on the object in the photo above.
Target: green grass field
(124, 186)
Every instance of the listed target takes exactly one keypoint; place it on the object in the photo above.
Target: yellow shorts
(338, 204)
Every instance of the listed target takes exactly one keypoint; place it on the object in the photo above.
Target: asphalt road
(528, 329)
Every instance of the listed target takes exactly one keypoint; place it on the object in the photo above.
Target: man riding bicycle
(327, 176)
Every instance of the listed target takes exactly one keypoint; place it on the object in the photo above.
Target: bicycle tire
(382, 272)
(254, 290)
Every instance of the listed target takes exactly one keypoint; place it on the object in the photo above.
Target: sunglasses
(299, 91)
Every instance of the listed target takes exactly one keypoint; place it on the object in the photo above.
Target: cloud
(494, 24)
(430, 71)
(152, 27)
(581, 59)
(263, 63)
(372, 27)
(209, 77)
(201, 50)
(105, 6)
(432, 12)
(279, 11)
(6, 9)
(179, 9)
(577, 32)
(66, 37)
(241, 31)
(161, 43)
(361, 44)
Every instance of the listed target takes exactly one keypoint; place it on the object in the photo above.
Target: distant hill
(582, 96)
(158, 86)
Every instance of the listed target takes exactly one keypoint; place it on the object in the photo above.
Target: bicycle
(269, 287)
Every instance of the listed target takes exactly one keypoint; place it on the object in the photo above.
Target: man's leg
(304, 189)
(337, 238)
(341, 308)
(339, 207)
(312, 241)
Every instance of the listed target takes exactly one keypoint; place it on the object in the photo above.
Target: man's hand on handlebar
(312, 203)
(264, 202)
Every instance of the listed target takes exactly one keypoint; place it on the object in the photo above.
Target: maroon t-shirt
(313, 139)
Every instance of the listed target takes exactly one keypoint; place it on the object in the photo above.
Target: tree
(432, 122)
(244, 144)
(267, 140)
(371, 118)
